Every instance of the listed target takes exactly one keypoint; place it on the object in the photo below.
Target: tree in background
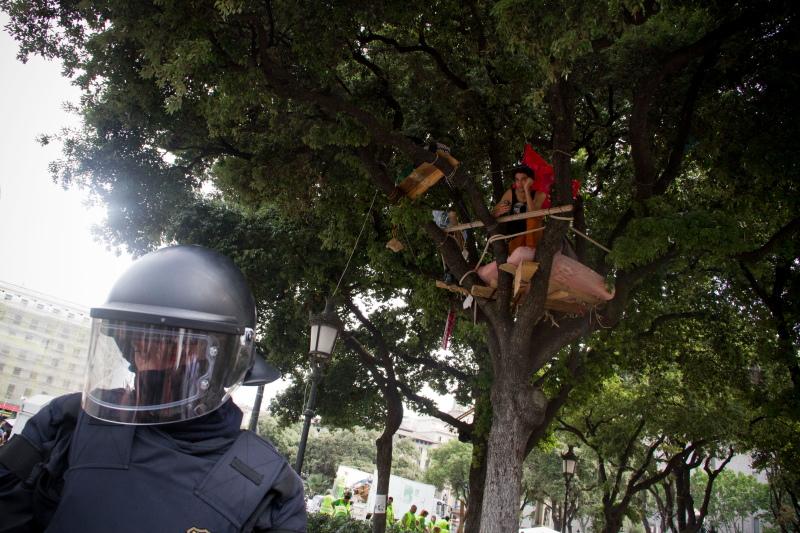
(735, 499)
(328, 449)
(449, 468)
(543, 482)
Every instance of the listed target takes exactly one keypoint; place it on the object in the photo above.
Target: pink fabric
(566, 272)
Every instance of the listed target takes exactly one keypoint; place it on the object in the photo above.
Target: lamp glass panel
(314, 337)
(327, 338)
(569, 466)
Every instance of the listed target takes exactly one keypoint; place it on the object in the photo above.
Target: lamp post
(570, 461)
(325, 329)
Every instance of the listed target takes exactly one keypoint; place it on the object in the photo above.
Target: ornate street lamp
(325, 329)
(569, 462)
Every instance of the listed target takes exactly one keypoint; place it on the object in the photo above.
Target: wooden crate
(424, 177)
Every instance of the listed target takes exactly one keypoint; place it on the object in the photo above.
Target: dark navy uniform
(154, 443)
(204, 474)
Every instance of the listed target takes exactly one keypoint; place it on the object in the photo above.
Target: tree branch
(788, 231)
(421, 47)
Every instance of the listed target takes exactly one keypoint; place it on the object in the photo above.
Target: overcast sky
(46, 242)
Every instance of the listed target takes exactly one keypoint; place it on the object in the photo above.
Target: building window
(10, 390)
(28, 337)
(7, 297)
(49, 380)
(17, 318)
(17, 371)
(28, 392)
(39, 306)
(34, 375)
(24, 301)
(55, 362)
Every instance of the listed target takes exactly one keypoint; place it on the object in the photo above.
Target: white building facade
(43, 345)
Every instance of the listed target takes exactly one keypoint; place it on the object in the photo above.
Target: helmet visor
(144, 374)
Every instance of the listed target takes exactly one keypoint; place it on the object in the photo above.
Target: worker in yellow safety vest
(443, 525)
(409, 520)
(422, 520)
(326, 507)
(389, 511)
(341, 507)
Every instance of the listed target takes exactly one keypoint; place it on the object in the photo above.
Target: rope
(363, 225)
(581, 234)
(494, 238)
(590, 240)
(557, 151)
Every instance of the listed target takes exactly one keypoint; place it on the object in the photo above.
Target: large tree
(306, 109)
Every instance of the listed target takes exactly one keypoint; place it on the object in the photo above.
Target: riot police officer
(154, 441)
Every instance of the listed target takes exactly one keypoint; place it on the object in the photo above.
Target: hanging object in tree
(425, 176)
(449, 325)
(394, 243)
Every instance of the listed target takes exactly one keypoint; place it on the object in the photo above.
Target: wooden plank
(509, 218)
(508, 267)
(481, 291)
(523, 275)
(558, 295)
(452, 287)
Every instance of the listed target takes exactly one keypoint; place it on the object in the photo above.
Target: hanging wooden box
(424, 177)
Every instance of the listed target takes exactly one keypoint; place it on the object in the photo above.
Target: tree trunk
(477, 478)
(384, 464)
(461, 516)
(613, 521)
(517, 407)
(394, 417)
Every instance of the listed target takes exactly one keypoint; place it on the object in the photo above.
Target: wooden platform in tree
(559, 298)
(425, 176)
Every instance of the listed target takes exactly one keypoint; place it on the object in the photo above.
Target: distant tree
(330, 448)
(736, 498)
(448, 468)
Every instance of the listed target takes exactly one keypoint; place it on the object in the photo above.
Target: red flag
(545, 176)
(448, 328)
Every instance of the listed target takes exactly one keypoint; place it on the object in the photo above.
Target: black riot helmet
(173, 340)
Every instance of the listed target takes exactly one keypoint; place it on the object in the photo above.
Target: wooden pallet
(425, 176)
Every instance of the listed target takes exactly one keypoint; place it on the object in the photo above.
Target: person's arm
(504, 206)
(533, 201)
